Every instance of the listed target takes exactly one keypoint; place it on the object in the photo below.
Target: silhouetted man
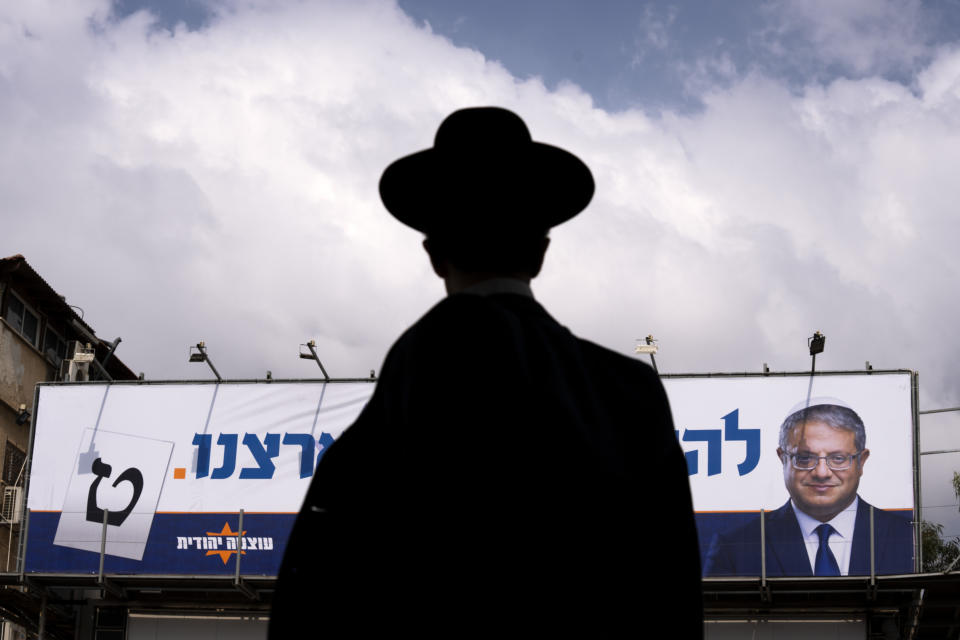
(506, 477)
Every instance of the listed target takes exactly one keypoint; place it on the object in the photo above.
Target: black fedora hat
(484, 173)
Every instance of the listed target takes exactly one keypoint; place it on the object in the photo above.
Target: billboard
(164, 470)
(729, 428)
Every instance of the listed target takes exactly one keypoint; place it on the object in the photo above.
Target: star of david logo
(226, 533)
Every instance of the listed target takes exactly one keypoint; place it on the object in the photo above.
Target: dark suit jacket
(505, 477)
(737, 552)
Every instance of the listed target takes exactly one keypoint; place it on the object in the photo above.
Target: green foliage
(938, 554)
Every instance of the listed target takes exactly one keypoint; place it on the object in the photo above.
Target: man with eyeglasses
(824, 529)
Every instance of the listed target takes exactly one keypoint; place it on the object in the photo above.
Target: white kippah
(812, 402)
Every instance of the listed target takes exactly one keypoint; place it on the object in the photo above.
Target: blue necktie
(825, 564)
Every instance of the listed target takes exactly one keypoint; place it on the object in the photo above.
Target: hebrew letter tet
(103, 470)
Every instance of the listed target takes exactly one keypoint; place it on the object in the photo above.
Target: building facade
(37, 327)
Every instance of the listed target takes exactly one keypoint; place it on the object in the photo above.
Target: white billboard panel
(729, 428)
(883, 402)
(171, 465)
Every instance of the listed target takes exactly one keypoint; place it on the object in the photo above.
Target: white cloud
(222, 185)
(862, 36)
(653, 32)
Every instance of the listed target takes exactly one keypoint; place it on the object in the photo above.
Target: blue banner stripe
(178, 544)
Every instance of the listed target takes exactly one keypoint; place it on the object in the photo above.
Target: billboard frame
(914, 399)
(914, 416)
(28, 469)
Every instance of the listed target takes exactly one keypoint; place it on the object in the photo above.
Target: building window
(13, 459)
(23, 321)
(54, 347)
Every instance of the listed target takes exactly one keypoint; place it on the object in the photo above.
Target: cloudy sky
(207, 170)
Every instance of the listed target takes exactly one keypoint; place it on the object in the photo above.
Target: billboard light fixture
(648, 346)
(312, 346)
(201, 355)
(22, 415)
(816, 343)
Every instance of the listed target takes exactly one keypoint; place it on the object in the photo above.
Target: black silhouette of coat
(506, 477)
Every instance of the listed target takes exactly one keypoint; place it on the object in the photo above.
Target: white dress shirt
(840, 541)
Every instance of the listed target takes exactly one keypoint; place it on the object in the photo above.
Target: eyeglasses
(835, 461)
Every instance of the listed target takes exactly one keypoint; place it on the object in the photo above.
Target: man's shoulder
(777, 519)
(784, 512)
(898, 521)
(496, 331)
(736, 550)
(492, 315)
(617, 362)
(897, 514)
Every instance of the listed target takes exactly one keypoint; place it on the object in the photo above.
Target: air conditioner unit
(12, 508)
(76, 366)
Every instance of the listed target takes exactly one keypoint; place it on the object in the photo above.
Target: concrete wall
(21, 368)
(18, 435)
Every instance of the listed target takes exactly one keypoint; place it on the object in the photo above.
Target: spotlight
(200, 355)
(816, 342)
(650, 347)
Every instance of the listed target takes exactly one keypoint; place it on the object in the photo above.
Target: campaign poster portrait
(155, 475)
(814, 454)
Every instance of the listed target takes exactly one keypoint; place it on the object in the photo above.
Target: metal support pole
(28, 466)
(917, 475)
(873, 551)
(103, 545)
(42, 622)
(939, 410)
(113, 347)
(653, 360)
(313, 351)
(203, 356)
(213, 368)
(763, 549)
(237, 580)
(9, 546)
(101, 370)
(236, 575)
